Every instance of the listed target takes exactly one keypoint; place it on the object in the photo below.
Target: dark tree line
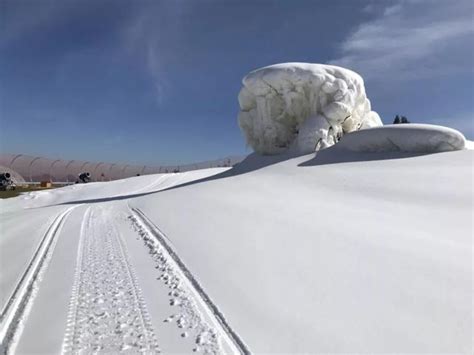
(400, 119)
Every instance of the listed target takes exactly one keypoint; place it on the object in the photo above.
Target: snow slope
(341, 251)
(369, 256)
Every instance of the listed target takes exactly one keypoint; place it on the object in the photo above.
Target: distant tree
(397, 120)
(405, 120)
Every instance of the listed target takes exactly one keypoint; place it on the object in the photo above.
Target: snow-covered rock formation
(302, 106)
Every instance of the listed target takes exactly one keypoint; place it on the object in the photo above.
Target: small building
(46, 184)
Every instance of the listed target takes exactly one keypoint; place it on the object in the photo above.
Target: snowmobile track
(107, 313)
(15, 312)
(161, 239)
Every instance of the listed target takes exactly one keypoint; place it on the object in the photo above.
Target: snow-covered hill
(342, 251)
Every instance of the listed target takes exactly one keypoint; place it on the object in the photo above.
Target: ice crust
(302, 106)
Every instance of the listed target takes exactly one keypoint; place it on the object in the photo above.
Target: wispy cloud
(156, 68)
(410, 40)
(152, 37)
(416, 56)
(148, 32)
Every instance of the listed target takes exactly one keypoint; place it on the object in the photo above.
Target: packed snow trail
(198, 313)
(107, 313)
(16, 310)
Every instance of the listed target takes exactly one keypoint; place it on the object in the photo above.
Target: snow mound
(411, 138)
(302, 106)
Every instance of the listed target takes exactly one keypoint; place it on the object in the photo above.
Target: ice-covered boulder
(302, 106)
(409, 138)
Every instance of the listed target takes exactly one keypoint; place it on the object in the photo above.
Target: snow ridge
(213, 335)
(107, 312)
(17, 308)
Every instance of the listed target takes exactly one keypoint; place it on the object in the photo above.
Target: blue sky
(156, 82)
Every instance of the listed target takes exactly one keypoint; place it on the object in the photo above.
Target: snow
(351, 249)
(104, 191)
(368, 256)
(469, 145)
(302, 106)
(412, 138)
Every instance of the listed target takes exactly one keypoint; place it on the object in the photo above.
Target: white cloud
(411, 40)
(392, 10)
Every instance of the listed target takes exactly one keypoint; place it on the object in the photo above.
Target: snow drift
(409, 138)
(302, 106)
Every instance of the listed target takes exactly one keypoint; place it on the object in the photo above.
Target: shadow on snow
(253, 162)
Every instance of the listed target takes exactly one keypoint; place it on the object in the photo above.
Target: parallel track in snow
(174, 271)
(16, 309)
(107, 313)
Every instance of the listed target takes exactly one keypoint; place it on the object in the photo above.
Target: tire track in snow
(107, 313)
(186, 293)
(17, 308)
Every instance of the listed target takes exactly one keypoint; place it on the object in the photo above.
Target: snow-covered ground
(343, 251)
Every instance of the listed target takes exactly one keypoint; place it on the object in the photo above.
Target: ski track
(155, 183)
(186, 293)
(160, 181)
(15, 313)
(107, 313)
